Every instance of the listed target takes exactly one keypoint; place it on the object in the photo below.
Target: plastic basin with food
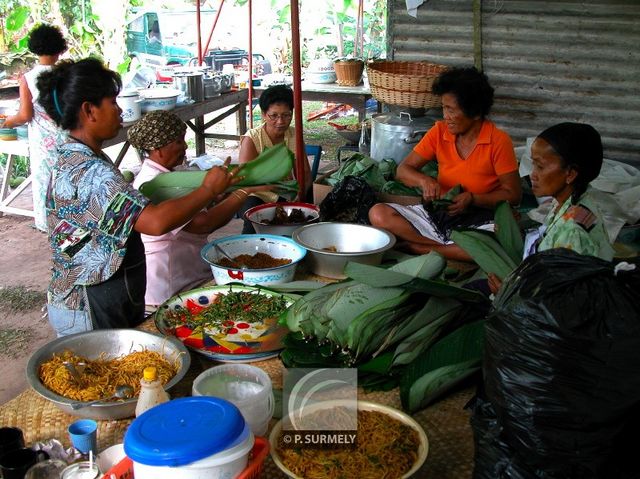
(158, 99)
(260, 255)
(404, 452)
(331, 245)
(282, 218)
(105, 344)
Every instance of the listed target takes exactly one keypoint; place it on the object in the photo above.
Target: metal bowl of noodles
(331, 245)
(404, 436)
(106, 344)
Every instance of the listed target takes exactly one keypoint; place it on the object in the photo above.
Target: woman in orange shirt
(472, 152)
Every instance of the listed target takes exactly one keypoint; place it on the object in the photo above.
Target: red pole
(213, 27)
(250, 65)
(301, 156)
(199, 33)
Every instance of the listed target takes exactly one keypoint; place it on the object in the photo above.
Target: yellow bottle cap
(150, 373)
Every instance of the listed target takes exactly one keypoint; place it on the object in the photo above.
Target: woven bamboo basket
(404, 83)
(348, 73)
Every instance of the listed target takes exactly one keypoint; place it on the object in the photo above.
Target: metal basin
(113, 343)
(331, 245)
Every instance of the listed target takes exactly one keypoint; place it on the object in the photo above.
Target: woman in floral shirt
(94, 216)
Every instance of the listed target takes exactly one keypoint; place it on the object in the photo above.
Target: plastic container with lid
(152, 391)
(246, 386)
(190, 438)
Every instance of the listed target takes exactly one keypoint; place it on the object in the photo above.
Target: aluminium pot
(393, 136)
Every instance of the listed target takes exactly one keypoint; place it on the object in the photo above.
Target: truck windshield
(180, 28)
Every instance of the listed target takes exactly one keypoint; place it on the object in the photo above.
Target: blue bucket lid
(183, 431)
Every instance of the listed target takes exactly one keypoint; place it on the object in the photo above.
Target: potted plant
(348, 71)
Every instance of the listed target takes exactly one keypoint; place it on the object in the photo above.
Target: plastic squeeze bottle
(151, 392)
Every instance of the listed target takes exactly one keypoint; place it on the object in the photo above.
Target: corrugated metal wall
(549, 61)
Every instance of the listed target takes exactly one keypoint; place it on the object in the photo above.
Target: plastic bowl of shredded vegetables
(104, 360)
(258, 259)
(388, 443)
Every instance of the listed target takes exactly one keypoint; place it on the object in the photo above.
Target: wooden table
(356, 96)
(13, 149)
(193, 115)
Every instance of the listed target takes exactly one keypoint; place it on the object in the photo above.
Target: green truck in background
(160, 38)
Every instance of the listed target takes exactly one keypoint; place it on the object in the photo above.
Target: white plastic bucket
(246, 386)
(223, 465)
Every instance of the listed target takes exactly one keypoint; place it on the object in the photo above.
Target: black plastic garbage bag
(562, 372)
(348, 202)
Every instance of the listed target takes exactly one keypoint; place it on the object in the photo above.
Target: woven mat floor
(446, 422)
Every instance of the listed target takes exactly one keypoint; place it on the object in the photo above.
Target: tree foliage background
(97, 27)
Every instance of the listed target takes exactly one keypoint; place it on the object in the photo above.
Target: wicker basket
(404, 83)
(348, 73)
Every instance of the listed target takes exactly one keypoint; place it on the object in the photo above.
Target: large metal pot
(394, 135)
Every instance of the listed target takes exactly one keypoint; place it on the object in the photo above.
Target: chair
(316, 152)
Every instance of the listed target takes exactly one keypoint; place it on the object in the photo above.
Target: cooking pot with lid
(394, 135)
(129, 102)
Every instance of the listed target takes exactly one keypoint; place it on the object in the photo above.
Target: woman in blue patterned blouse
(94, 216)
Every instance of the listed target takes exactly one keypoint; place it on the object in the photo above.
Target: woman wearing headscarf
(94, 216)
(173, 259)
(566, 158)
(471, 151)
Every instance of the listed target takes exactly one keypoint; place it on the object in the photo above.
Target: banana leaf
(447, 199)
(426, 266)
(484, 248)
(394, 187)
(508, 232)
(452, 359)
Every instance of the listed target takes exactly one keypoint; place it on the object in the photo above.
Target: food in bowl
(388, 444)
(234, 246)
(106, 344)
(282, 218)
(100, 377)
(255, 261)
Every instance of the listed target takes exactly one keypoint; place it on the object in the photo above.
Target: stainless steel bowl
(331, 245)
(113, 343)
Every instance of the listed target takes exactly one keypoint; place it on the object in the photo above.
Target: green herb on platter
(239, 306)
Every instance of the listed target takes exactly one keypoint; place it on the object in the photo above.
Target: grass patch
(19, 298)
(14, 342)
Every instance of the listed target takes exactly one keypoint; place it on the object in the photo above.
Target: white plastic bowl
(423, 449)
(321, 77)
(261, 213)
(159, 99)
(274, 246)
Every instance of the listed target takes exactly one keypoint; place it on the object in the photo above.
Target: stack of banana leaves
(402, 325)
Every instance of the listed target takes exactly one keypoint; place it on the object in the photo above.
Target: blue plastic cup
(83, 434)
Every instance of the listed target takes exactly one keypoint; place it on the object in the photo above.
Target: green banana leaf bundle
(380, 320)
(270, 167)
(447, 199)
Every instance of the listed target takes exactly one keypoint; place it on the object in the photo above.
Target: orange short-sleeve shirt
(492, 156)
